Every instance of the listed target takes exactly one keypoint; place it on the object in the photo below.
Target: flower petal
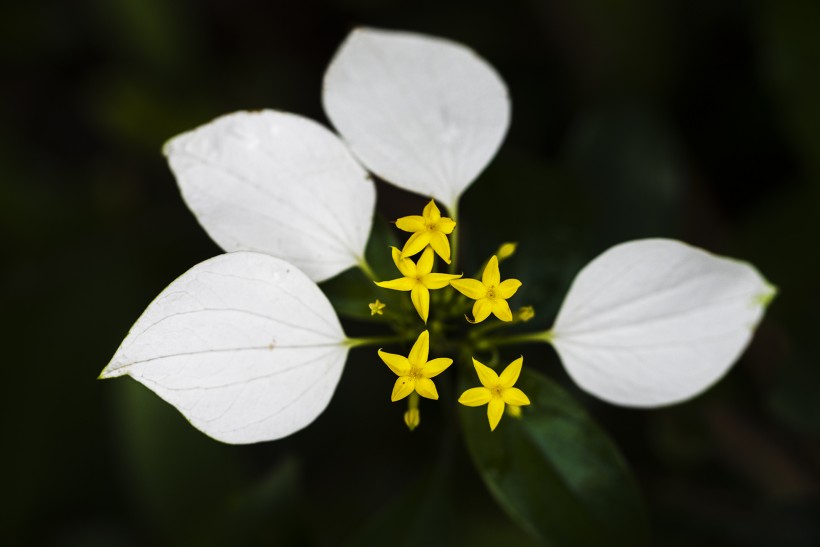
(471, 288)
(436, 366)
(654, 322)
(446, 225)
(431, 212)
(495, 409)
(400, 284)
(502, 310)
(279, 184)
(475, 396)
(412, 223)
(406, 266)
(438, 280)
(509, 376)
(416, 243)
(491, 276)
(426, 388)
(482, 309)
(440, 245)
(514, 396)
(399, 364)
(403, 387)
(420, 350)
(424, 113)
(425, 264)
(507, 288)
(244, 345)
(421, 300)
(486, 375)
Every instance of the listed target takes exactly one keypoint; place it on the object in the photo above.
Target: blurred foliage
(555, 471)
(697, 120)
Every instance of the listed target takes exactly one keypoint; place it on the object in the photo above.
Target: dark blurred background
(698, 120)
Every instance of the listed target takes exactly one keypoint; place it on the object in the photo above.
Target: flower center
(490, 292)
(496, 391)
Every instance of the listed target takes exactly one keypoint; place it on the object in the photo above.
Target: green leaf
(351, 291)
(555, 472)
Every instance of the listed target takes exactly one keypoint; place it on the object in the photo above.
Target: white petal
(423, 113)
(655, 322)
(244, 345)
(279, 184)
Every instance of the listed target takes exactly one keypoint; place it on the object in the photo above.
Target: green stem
(364, 266)
(543, 336)
(454, 241)
(374, 341)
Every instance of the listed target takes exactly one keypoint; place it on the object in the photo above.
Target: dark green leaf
(351, 291)
(555, 472)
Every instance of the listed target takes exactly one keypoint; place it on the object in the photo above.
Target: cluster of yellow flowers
(415, 372)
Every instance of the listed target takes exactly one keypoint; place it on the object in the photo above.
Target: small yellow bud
(526, 313)
(412, 418)
(514, 411)
(506, 250)
(377, 308)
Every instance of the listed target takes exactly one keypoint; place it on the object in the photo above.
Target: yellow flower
(417, 279)
(429, 229)
(490, 294)
(377, 308)
(497, 391)
(414, 371)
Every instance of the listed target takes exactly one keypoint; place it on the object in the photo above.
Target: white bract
(245, 345)
(654, 322)
(424, 113)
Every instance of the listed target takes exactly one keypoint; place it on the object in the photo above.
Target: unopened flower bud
(506, 250)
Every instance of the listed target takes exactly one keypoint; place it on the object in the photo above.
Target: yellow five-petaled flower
(418, 279)
(490, 294)
(414, 371)
(496, 391)
(377, 307)
(429, 229)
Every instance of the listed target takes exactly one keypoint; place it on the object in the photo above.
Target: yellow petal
(400, 284)
(403, 387)
(502, 310)
(510, 375)
(491, 276)
(397, 363)
(431, 212)
(507, 288)
(420, 350)
(514, 396)
(426, 388)
(406, 266)
(436, 367)
(416, 243)
(421, 300)
(494, 411)
(486, 375)
(482, 309)
(412, 223)
(446, 225)
(471, 288)
(440, 245)
(475, 396)
(425, 264)
(438, 280)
